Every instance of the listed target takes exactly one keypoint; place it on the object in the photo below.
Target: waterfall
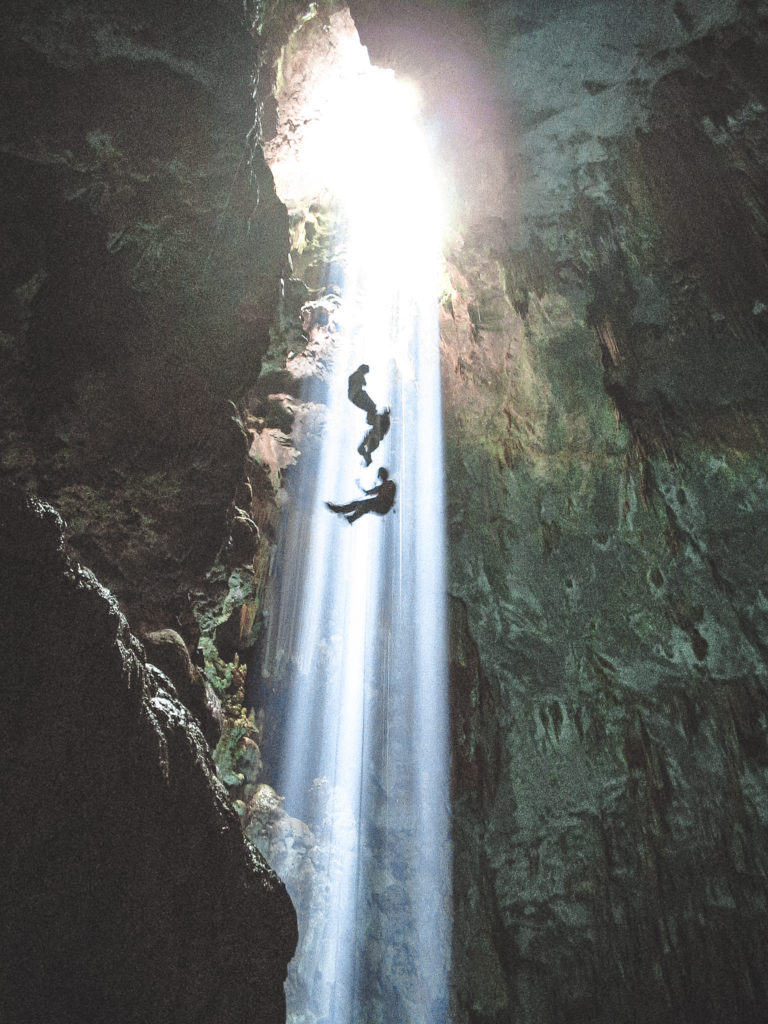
(356, 659)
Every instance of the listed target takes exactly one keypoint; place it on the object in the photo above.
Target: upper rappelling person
(356, 390)
(380, 504)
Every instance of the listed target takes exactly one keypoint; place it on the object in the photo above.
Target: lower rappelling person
(383, 500)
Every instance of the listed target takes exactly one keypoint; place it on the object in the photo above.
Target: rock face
(141, 254)
(166, 649)
(605, 392)
(128, 890)
(140, 269)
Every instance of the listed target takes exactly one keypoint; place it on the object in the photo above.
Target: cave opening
(353, 678)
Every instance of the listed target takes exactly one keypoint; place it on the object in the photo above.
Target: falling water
(356, 651)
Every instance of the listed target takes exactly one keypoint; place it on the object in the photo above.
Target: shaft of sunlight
(356, 650)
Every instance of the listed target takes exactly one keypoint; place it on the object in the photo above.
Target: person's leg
(363, 449)
(363, 401)
(361, 508)
(350, 507)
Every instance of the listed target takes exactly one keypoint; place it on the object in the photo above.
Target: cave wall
(141, 261)
(142, 255)
(604, 386)
(128, 891)
(604, 351)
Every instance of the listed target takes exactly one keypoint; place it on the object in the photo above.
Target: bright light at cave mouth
(355, 665)
(372, 154)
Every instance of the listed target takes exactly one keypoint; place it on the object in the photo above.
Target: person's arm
(373, 490)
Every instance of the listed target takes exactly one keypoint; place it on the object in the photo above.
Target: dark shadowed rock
(129, 893)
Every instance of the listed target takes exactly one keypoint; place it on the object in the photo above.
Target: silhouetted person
(380, 504)
(380, 424)
(356, 392)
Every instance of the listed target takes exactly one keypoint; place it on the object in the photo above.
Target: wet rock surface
(129, 892)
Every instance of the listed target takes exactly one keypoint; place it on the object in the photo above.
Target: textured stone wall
(604, 378)
(141, 255)
(143, 247)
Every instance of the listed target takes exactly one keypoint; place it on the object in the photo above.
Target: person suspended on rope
(356, 392)
(381, 503)
(380, 423)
